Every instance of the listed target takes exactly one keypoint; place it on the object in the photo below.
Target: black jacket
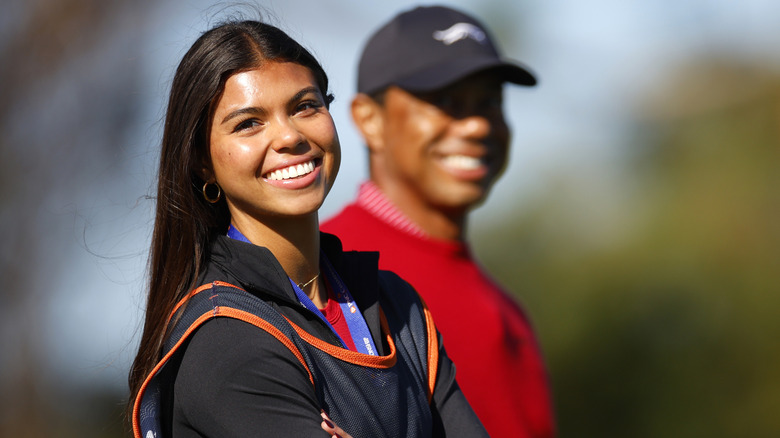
(221, 384)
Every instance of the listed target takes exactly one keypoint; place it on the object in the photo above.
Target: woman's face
(274, 148)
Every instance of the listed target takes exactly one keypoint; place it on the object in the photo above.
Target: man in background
(429, 107)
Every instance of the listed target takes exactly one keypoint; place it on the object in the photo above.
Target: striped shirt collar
(371, 198)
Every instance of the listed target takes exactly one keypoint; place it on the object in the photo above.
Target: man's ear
(368, 117)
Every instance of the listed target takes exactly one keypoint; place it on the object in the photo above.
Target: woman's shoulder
(224, 360)
(400, 300)
(392, 283)
(222, 347)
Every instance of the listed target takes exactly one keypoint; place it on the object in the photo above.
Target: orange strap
(350, 356)
(433, 350)
(218, 311)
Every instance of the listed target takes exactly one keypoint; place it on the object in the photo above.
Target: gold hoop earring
(215, 199)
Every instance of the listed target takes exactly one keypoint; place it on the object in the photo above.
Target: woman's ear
(368, 116)
(202, 168)
(207, 175)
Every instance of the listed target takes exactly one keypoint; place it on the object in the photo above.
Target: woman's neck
(295, 242)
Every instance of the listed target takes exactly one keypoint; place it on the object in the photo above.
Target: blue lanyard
(354, 318)
(355, 321)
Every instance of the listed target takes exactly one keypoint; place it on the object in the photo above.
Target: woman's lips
(290, 172)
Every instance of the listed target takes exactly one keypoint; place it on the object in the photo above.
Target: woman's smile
(293, 171)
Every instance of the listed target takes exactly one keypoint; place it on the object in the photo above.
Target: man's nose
(473, 127)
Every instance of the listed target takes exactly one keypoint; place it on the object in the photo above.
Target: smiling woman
(256, 323)
(274, 148)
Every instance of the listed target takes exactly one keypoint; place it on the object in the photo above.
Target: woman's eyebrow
(255, 110)
(242, 111)
(299, 95)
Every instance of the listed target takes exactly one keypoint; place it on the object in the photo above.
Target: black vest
(367, 396)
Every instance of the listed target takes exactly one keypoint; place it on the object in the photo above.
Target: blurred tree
(64, 107)
(665, 324)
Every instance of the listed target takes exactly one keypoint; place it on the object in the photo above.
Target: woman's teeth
(291, 172)
(462, 162)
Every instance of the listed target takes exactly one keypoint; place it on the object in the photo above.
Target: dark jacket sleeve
(237, 381)
(452, 414)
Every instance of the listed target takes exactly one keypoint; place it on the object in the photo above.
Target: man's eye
(445, 101)
(494, 102)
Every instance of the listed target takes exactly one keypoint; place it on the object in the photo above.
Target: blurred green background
(659, 313)
(638, 221)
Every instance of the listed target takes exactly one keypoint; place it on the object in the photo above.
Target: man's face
(443, 150)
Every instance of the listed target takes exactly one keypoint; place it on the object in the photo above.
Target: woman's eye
(247, 124)
(308, 106)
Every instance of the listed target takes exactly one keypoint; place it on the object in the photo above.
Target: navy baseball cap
(428, 48)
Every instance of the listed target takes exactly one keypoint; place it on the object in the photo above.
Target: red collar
(375, 202)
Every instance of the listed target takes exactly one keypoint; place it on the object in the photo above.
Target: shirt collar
(371, 198)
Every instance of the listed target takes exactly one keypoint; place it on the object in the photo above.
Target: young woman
(257, 324)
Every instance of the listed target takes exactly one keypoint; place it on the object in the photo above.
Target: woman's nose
(286, 135)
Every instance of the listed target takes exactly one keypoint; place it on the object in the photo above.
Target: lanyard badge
(358, 328)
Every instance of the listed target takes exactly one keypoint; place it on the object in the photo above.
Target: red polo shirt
(486, 333)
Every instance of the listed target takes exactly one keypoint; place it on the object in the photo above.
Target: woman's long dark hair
(185, 224)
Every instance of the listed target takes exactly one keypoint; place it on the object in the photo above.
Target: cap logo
(459, 31)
